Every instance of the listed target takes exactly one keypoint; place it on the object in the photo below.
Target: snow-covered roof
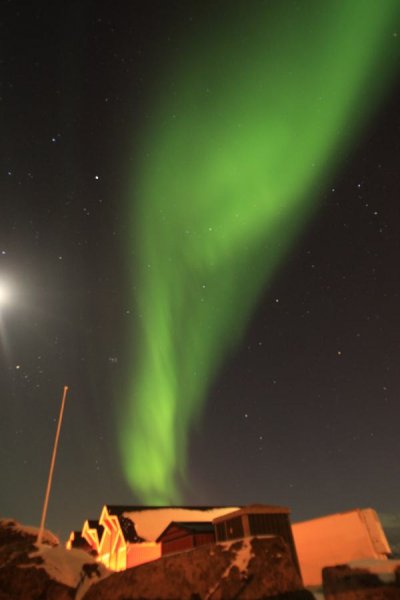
(151, 522)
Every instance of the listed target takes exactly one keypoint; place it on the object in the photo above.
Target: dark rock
(345, 583)
(12, 532)
(17, 542)
(255, 568)
(32, 584)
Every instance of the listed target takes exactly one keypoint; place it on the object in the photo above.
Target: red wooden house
(185, 535)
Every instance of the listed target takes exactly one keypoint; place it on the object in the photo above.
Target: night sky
(305, 411)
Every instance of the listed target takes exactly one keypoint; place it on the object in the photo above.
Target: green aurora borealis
(241, 135)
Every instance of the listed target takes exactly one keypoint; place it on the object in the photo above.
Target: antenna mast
(53, 460)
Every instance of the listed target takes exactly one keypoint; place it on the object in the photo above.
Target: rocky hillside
(365, 580)
(254, 568)
(48, 572)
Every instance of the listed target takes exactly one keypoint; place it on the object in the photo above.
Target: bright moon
(5, 293)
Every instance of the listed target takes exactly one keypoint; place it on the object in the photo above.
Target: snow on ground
(241, 561)
(149, 524)
(242, 558)
(316, 592)
(89, 581)
(61, 564)
(66, 566)
(48, 537)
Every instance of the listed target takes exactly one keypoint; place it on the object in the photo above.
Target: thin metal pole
(53, 460)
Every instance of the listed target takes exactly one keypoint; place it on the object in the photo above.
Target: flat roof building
(255, 520)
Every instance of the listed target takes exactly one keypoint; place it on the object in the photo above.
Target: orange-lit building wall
(113, 548)
(70, 540)
(137, 554)
(337, 539)
(91, 536)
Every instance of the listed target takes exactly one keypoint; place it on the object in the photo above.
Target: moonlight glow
(5, 293)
